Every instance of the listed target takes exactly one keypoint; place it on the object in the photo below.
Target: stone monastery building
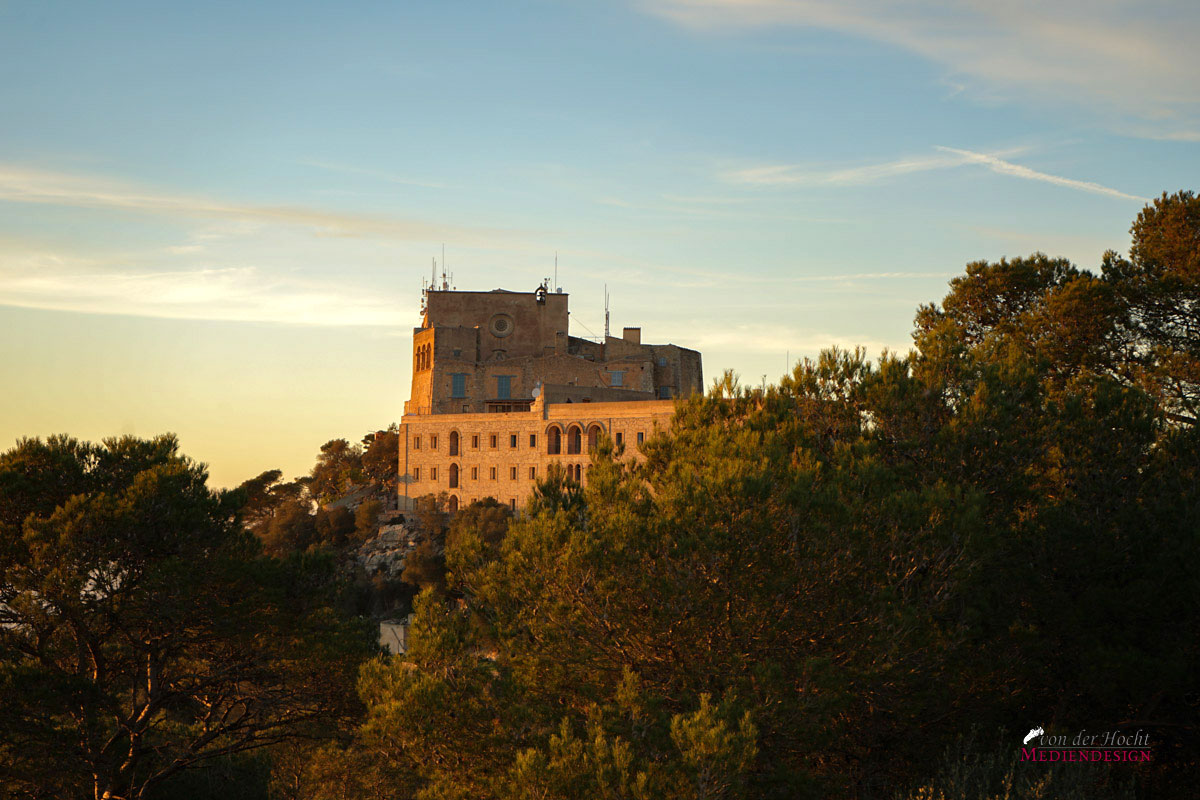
(501, 390)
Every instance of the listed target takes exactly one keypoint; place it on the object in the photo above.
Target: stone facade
(500, 390)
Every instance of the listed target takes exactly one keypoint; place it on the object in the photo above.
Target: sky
(215, 218)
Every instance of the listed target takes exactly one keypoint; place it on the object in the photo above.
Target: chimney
(632, 335)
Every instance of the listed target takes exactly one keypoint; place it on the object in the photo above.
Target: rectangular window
(495, 441)
(616, 378)
(474, 473)
(416, 443)
(416, 474)
(512, 505)
(475, 442)
(493, 473)
(433, 441)
(533, 441)
(433, 473)
(458, 384)
(641, 437)
(533, 473)
(662, 362)
(512, 473)
(504, 387)
(620, 437)
(664, 392)
(512, 441)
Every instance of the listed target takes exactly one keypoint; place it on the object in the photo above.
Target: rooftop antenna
(606, 312)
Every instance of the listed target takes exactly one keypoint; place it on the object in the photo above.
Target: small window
(512, 441)
(512, 473)
(474, 473)
(416, 443)
(458, 352)
(533, 441)
(616, 378)
(416, 474)
(512, 504)
(533, 473)
(504, 387)
(620, 437)
(495, 441)
(433, 441)
(664, 392)
(458, 384)
(493, 473)
(475, 442)
(641, 437)
(433, 473)
(662, 361)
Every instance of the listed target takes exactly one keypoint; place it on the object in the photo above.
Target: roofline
(549, 293)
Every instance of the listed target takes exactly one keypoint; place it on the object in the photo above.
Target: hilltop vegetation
(815, 589)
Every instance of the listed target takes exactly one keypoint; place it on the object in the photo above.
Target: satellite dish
(537, 389)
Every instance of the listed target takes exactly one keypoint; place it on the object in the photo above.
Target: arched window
(453, 443)
(553, 440)
(579, 473)
(574, 440)
(454, 476)
(594, 437)
(453, 504)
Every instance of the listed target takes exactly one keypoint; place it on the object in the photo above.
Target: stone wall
(462, 434)
(473, 456)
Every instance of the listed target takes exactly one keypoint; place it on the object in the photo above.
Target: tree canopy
(810, 589)
(141, 634)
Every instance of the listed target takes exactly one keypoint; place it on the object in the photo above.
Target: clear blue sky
(215, 220)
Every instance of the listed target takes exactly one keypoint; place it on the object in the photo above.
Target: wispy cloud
(379, 175)
(1003, 167)
(1136, 57)
(24, 185)
(240, 294)
(802, 175)
(669, 208)
(707, 200)
(762, 338)
(1164, 135)
(949, 158)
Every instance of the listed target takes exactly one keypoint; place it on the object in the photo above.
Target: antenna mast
(606, 312)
